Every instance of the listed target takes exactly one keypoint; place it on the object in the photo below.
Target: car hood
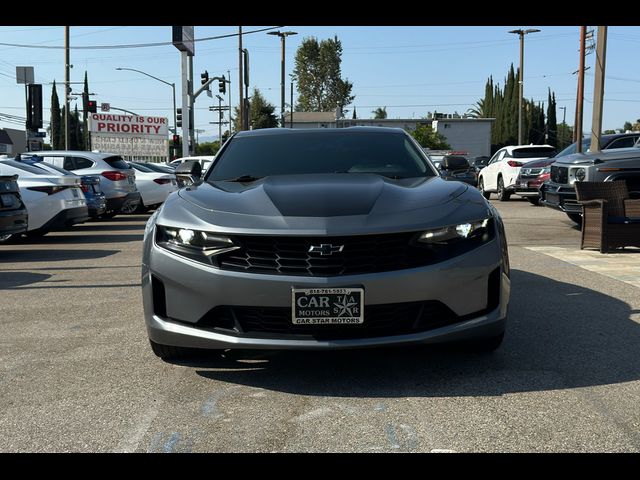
(324, 204)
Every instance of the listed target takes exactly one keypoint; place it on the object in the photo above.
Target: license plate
(552, 198)
(131, 180)
(8, 200)
(74, 191)
(524, 184)
(327, 306)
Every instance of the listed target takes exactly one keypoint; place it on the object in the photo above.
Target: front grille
(559, 174)
(360, 254)
(379, 321)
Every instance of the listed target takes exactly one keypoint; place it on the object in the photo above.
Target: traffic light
(204, 77)
(178, 117)
(222, 85)
(176, 140)
(34, 107)
(92, 106)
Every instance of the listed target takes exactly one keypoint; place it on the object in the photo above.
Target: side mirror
(455, 162)
(188, 172)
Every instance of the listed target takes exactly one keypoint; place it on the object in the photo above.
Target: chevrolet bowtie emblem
(325, 249)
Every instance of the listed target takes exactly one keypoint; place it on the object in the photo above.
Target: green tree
(318, 76)
(609, 132)
(55, 129)
(208, 148)
(85, 114)
(261, 113)
(552, 123)
(627, 126)
(380, 113)
(565, 136)
(429, 138)
(355, 115)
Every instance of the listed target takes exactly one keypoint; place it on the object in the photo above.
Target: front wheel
(168, 352)
(484, 193)
(534, 200)
(503, 195)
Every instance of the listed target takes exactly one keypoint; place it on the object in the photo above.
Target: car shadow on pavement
(558, 336)
(52, 255)
(20, 279)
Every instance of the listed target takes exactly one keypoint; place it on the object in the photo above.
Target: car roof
(320, 131)
(608, 154)
(99, 155)
(511, 148)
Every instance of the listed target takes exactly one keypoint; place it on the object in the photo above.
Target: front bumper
(560, 197)
(115, 204)
(191, 290)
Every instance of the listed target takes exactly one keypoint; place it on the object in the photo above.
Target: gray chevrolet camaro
(323, 239)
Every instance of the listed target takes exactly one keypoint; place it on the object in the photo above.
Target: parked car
(154, 187)
(532, 175)
(455, 167)
(117, 178)
(323, 239)
(607, 142)
(480, 162)
(157, 167)
(13, 212)
(53, 201)
(205, 161)
(613, 164)
(500, 174)
(90, 184)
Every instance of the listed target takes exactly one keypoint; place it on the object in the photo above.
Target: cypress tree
(85, 116)
(55, 130)
(552, 123)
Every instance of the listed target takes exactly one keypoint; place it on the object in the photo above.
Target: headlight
(545, 170)
(577, 175)
(194, 244)
(455, 233)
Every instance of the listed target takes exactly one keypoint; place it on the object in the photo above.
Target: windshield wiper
(243, 179)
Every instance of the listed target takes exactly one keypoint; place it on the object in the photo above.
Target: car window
(141, 168)
(81, 162)
(624, 142)
(320, 152)
(69, 163)
(533, 152)
(62, 171)
(497, 156)
(117, 162)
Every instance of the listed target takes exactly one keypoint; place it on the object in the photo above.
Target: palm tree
(478, 110)
(380, 113)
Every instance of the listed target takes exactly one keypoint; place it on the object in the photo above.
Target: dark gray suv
(605, 166)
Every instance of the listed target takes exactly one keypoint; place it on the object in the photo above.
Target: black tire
(534, 200)
(485, 345)
(503, 194)
(168, 352)
(575, 217)
(36, 233)
(486, 195)
(8, 238)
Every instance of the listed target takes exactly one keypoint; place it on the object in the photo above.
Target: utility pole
(521, 33)
(230, 104)
(186, 116)
(598, 89)
(192, 139)
(291, 112)
(247, 115)
(580, 97)
(564, 126)
(66, 87)
(219, 119)
(283, 36)
(240, 76)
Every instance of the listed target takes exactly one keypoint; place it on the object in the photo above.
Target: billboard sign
(130, 135)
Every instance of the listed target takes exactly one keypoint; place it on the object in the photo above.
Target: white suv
(501, 172)
(117, 178)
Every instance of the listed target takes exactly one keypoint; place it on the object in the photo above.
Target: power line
(133, 45)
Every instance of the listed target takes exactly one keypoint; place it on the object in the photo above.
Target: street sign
(105, 107)
(37, 134)
(24, 75)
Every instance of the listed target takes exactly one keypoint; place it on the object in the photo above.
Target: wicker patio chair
(610, 219)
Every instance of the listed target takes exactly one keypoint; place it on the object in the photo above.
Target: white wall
(472, 137)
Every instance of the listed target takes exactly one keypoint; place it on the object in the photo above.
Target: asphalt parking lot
(77, 373)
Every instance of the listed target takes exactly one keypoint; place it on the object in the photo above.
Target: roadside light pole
(564, 126)
(283, 36)
(522, 33)
(172, 85)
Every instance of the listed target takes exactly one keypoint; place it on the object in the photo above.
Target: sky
(409, 70)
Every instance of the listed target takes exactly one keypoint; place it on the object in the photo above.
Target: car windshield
(27, 167)
(388, 154)
(586, 143)
(533, 152)
(141, 168)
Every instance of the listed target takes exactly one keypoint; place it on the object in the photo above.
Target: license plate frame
(327, 306)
